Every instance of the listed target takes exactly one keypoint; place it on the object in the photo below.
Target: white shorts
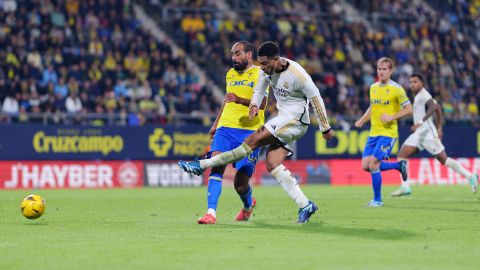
(287, 130)
(425, 140)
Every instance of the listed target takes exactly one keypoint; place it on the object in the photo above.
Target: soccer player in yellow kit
(294, 91)
(231, 127)
(388, 103)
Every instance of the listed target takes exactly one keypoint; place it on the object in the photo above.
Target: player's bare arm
(253, 112)
(438, 120)
(431, 107)
(364, 119)
(405, 111)
(213, 129)
(231, 97)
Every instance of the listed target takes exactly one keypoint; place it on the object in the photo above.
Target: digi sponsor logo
(241, 83)
(351, 143)
(169, 174)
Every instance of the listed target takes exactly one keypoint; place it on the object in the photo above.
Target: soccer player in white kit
(294, 90)
(427, 134)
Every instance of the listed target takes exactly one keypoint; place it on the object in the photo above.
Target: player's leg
(368, 160)
(275, 157)
(366, 163)
(368, 152)
(222, 141)
(406, 151)
(259, 138)
(381, 151)
(245, 169)
(400, 165)
(374, 168)
(244, 191)
(214, 190)
(456, 166)
(276, 154)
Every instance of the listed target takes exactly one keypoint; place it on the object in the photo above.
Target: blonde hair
(386, 60)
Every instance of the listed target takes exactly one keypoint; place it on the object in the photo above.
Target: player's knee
(365, 167)
(251, 141)
(218, 170)
(442, 159)
(373, 166)
(244, 173)
(271, 165)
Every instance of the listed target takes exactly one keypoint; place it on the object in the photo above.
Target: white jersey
(293, 90)
(419, 111)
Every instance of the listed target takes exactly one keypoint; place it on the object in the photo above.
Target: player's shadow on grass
(455, 210)
(317, 228)
(35, 224)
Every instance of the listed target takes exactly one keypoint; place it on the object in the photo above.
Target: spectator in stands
(10, 104)
(61, 89)
(49, 75)
(73, 104)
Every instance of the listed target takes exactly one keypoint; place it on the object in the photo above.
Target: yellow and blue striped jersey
(236, 115)
(385, 98)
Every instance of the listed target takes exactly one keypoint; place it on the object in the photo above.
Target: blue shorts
(227, 139)
(379, 147)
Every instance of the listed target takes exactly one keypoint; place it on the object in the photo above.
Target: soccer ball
(33, 206)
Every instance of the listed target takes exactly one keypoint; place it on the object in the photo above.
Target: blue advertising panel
(38, 142)
(459, 141)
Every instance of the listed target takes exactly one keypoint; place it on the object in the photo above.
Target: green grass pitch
(435, 228)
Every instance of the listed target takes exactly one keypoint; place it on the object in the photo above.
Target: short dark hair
(269, 49)
(417, 75)
(247, 46)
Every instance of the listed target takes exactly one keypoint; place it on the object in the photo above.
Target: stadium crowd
(90, 57)
(341, 53)
(94, 57)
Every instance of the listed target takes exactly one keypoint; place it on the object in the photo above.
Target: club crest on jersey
(385, 148)
(285, 85)
(253, 158)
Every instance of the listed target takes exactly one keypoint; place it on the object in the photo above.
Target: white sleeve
(260, 90)
(313, 94)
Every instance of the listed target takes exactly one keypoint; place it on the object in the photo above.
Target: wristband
(420, 122)
(326, 131)
(251, 105)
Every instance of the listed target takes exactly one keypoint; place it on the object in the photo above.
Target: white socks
(290, 185)
(453, 164)
(212, 212)
(227, 157)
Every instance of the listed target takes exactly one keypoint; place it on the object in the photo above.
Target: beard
(240, 66)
